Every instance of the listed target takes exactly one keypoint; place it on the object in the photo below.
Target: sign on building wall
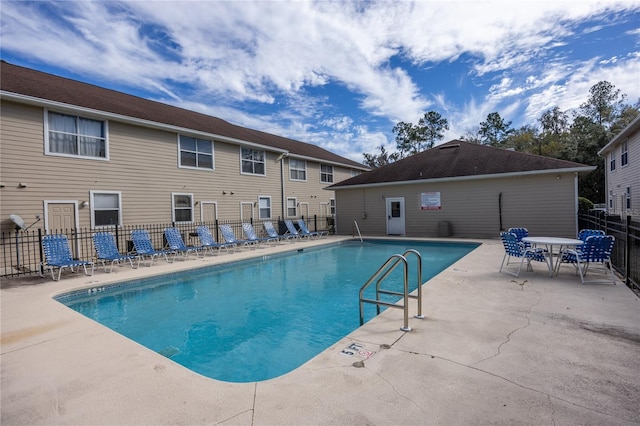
(430, 201)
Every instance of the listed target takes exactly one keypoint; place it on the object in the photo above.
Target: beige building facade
(113, 159)
(622, 171)
(462, 190)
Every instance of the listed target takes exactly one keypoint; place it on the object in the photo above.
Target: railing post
(627, 252)
(41, 253)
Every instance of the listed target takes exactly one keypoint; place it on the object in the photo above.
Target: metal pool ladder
(357, 228)
(382, 273)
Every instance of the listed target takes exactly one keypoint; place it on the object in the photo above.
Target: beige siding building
(622, 171)
(77, 155)
(463, 190)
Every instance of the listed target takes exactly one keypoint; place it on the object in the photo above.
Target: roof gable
(48, 87)
(459, 159)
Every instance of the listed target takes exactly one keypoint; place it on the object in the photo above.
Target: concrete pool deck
(492, 349)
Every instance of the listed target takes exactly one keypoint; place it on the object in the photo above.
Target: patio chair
(207, 242)
(586, 233)
(596, 250)
(312, 234)
(107, 251)
(272, 233)
(252, 237)
(291, 229)
(57, 254)
(230, 237)
(177, 245)
(520, 234)
(515, 248)
(144, 247)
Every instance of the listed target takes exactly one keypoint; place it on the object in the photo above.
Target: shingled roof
(459, 159)
(47, 87)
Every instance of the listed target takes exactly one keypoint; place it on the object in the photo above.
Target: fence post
(627, 252)
(41, 253)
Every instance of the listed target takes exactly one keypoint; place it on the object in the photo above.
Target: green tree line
(575, 136)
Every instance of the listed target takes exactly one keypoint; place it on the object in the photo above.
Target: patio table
(549, 243)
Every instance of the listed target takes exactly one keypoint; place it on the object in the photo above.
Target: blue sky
(335, 73)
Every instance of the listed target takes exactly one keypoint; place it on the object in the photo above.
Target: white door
(304, 210)
(208, 211)
(395, 216)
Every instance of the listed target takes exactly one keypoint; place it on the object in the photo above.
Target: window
(624, 153)
(74, 136)
(628, 203)
(195, 153)
(105, 208)
(292, 209)
(182, 207)
(264, 204)
(611, 197)
(252, 161)
(326, 173)
(612, 161)
(297, 169)
(332, 208)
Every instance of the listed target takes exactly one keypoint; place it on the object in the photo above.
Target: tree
(494, 131)
(604, 105)
(555, 130)
(382, 159)
(524, 139)
(411, 138)
(472, 135)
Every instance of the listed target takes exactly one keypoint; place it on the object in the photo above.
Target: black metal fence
(626, 251)
(22, 253)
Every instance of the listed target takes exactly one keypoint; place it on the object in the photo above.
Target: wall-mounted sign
(430, 201)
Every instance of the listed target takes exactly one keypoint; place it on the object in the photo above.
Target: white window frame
(298, 169)
(260, 207)
(332, 206)
(196, 167)
(624, 153)
(92, 195)
(612, 161)
(47, 150)
(322, 174)
(263, 162)
(173, 207)
(295, 206)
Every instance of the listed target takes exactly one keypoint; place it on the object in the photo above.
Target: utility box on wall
(444, 228)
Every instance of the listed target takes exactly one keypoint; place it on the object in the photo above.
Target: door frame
(202, 206)
(390, 200)
(46, 212)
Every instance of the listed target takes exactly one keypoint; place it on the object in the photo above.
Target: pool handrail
(355, 224)
(388, 267)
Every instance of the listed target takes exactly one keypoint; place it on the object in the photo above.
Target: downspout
(575, 208)
(283, 199)
(500, 210)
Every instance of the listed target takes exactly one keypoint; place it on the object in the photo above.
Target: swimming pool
(256, 319)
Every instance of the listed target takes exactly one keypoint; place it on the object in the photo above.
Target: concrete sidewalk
(492, 349)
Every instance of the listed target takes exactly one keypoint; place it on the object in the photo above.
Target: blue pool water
(257, 319)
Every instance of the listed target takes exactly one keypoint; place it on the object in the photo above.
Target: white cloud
(229, 58)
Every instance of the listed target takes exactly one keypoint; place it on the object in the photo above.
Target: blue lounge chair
(177, 245)
(515, 248)
(312, 234)
(596, 250)
(57, 254)
(291, 228)
(230, 237)
(252, 237)
(207, 242)
(107, 251)
(272, 233)
(144, 247)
